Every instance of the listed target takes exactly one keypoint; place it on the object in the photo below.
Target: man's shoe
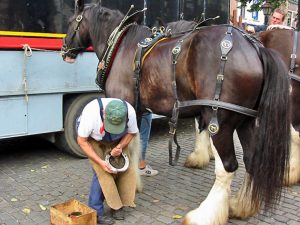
(105, 220)
(118, 214)
(148, 171)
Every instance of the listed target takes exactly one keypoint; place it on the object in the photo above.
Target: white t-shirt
(91, 124)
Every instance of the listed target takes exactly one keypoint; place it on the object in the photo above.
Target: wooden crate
(60, 214)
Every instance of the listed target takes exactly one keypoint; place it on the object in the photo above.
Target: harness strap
(137, 76)
(294, 77)
(143, 49)
(219, 104)
(175, 113)
(226, 46)
(293, 55)
(293, 59)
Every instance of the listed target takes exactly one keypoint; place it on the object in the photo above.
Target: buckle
(79, 18)
(220, 77)
(213, 128)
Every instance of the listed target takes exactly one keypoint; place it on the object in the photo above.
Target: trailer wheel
(66, 141)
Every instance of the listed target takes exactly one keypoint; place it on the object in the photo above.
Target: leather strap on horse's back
(143, 49)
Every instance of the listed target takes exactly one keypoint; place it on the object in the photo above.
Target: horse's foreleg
(214, 209)
(240, 205)
(202, 153)
(294, 163)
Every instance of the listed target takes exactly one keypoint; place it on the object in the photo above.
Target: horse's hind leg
(214, 209)
(241, 205)
(202, 153)
(294, 162)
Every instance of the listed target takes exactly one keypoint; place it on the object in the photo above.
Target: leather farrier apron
(118, 189)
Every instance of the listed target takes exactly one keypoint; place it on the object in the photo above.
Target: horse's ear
(160, 22)
(79, 5)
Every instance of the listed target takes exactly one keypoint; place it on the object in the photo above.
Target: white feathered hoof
(294, 176)
(294, 162)
(193, 218)
(194, 161)
(242, 209)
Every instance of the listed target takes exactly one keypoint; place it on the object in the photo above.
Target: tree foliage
(257, 6)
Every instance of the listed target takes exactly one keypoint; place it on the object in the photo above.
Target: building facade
(257, 18)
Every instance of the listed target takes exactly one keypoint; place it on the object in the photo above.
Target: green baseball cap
(115, 117)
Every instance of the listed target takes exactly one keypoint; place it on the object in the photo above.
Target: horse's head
(93, 25)
(77, 38)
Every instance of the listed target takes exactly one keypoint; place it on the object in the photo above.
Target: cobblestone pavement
(34, 175)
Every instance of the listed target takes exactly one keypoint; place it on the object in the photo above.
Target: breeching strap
(173, 121)
(226, 46)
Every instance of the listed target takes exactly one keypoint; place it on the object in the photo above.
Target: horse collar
(106, 62)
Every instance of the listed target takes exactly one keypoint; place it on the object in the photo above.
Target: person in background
(276, 19)
(145, 129)
(109, 126)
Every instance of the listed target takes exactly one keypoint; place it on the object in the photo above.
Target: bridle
(66, 50)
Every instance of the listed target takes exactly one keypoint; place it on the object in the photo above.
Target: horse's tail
(135, 150)
(272, 133)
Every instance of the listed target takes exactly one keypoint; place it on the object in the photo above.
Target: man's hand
(250, 29)
(106, 167)
(116, 151)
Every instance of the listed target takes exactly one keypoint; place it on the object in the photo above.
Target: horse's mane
(136, 32)
(97, 13)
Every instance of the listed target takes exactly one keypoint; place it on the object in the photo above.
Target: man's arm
(91, 154)
(260, 28)
(253, 30)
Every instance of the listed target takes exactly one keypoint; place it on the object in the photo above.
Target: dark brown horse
(252, 79)
(287, 43)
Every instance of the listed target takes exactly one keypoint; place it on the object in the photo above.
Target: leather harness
(213, 127)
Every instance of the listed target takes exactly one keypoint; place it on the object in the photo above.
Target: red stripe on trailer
(39, 43)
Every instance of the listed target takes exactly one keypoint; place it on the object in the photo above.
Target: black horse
(212, 72)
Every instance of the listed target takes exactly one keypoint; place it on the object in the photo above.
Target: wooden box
(72, 212)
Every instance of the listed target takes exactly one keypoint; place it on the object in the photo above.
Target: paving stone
(176, 190)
